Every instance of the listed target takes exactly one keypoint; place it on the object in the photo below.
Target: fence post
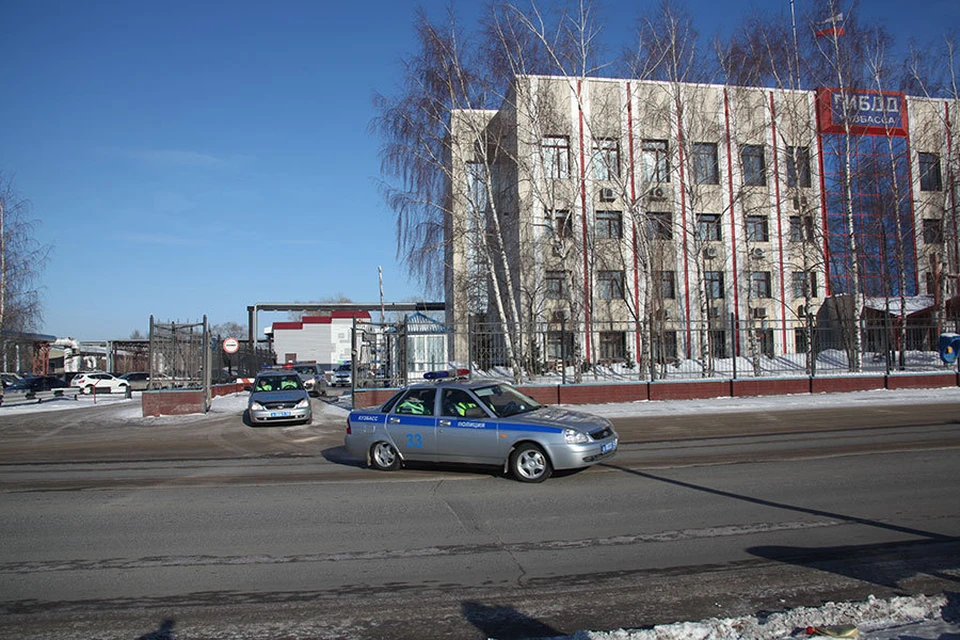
(733, 343)
(563, 349)
(470, 346)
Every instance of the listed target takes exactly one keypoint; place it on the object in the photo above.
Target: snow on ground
(901, 618)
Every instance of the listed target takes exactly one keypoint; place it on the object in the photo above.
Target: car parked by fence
(99, 381)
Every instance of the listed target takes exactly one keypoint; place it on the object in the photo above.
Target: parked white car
(102, 382)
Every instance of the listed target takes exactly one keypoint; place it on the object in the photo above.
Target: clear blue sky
(172, 150)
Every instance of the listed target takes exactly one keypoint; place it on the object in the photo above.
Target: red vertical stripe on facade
(776, 183)
(733, 228)
(633, 198)
(583, 211)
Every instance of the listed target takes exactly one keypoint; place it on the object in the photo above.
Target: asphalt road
(120, 528)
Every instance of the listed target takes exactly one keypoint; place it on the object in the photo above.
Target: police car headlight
(256, 406)
(303, 404)
(572, 436)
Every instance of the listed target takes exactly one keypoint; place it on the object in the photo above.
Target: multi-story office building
(664, 218)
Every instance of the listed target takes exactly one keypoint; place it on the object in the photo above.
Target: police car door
(465, 431)
(413, 424)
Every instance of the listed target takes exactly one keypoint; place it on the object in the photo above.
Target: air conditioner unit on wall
(658, 193)
(800, 202)
(713, 312)
(758, 253)
(607, 195)
(758, 312)
(710, 252)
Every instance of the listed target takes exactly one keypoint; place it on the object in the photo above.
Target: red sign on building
(862, 112)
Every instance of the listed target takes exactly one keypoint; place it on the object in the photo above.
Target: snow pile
(913, 617)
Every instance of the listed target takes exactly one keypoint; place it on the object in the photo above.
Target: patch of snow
(915, 617)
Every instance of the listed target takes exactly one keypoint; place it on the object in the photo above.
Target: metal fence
(568, 352)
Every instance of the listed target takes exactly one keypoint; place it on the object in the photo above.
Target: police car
(480, 423)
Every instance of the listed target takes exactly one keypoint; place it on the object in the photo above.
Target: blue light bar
(440, 375)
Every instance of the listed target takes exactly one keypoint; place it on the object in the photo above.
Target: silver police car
(278, 396)
(480, 423)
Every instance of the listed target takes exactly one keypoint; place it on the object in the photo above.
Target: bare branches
(22, 260)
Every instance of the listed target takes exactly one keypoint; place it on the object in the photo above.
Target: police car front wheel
(528, 463)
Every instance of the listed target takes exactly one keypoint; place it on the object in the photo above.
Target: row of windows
(609, 226)
(655, 163)
(612, 345)
(610, 284)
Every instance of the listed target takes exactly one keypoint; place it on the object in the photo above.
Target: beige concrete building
(677, 220)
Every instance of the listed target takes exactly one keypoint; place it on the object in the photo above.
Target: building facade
(661, 219)
(324, 339)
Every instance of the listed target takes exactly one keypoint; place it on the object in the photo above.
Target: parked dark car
(37, 383)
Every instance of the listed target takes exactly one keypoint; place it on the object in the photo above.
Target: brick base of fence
(178, 402)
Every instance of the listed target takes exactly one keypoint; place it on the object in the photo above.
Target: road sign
(231, 345)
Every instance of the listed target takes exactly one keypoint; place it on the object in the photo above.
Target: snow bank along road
(215, 529)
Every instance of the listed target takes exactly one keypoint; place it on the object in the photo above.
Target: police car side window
(457, 403)
(418, 402)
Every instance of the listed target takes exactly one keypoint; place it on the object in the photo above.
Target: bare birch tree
(22, 260)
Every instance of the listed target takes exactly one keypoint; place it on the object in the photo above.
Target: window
(713, 283)
(930, 178)
(610, 285)
(708, 227)
(560, 223)
(760, 284)
(560, 345)
(765, 338)
(756, 228)
(804, 283)
(801, 340)
(556, 285)
(609, 225)
(660, 226)
(613, 345)
(668, 284)
(932, 231)
(665, 346)
(706, 167)
(606, 159)
(754, 165)
(798, 166)
(556, 157)
(718, 343)
(458, 403)
(654, 161)
(417, 402)
(801, 228)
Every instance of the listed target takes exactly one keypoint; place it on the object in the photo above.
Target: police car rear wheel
(529, 463)
(384, 456)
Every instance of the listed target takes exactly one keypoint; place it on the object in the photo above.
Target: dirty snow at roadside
(901, 618)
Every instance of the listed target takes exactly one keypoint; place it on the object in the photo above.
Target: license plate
(610, 446)
(280, 414)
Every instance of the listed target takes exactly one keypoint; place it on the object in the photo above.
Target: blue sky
(193, 158)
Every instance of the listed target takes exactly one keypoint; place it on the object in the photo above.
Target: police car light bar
(440, 375)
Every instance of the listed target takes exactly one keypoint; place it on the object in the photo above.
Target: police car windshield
(503, 400)
(278, 383)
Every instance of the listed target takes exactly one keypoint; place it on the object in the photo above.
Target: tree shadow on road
(884, 564)
(505, 623)
(164, 632)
